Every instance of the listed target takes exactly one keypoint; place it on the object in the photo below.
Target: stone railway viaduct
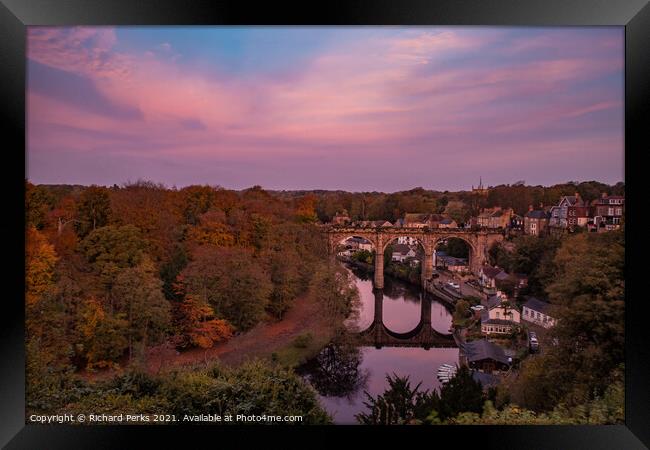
(479, 241)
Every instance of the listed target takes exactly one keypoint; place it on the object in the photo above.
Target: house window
(497, 314)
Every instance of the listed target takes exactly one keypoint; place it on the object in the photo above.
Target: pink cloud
(371, 95)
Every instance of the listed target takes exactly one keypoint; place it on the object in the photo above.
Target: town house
(500, 316)
(608, 212)
(402, 252)
(537, 311)
(535, 221)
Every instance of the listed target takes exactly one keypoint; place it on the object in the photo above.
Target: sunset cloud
(457, 103)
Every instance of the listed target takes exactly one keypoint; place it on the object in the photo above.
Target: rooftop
(401, 248)
(536, 304)
(537, 214)
(491, 272)
(483, 349)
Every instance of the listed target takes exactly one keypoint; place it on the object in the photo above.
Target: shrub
(303, 340)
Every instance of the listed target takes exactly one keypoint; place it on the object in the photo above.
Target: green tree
(254, 388)
(138, 296)
(399, 404)
(363, 256)
(461, 312)
(588, 300)
(334, 291)
(283, 268)
(458, 211)
(461, 394)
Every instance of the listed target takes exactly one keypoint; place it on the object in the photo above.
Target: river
(343, 373)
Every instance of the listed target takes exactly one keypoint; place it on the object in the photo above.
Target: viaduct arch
(479, 241)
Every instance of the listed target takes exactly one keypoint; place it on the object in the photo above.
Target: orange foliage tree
(195, 321)
(212, 229)
(154, 210)
(306, 208)
(40, 261)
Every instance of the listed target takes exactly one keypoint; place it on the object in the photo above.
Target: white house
(500, 317)
(537, 312)
(401, 252)
(488, 276)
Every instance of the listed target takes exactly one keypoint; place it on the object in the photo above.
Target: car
(477, 308)
(533, 343)
(454, 285)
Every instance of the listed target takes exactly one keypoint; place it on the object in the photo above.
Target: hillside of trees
(458, 205)
(111, 272)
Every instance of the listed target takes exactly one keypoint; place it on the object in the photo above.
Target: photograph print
(325, 225)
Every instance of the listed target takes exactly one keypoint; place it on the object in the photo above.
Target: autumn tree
(230, 280)
(61, 230)
(38, 202)
(305, 209)
(39, 266)
(46, 348)
(101, 336)
(197, 200)
(154, 210)
(196, 324)
(211, 229)
(93, 210)
(111, 248)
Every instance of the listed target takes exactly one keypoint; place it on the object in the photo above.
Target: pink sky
(378, 108)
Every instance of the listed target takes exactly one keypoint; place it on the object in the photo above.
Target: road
(465, 289)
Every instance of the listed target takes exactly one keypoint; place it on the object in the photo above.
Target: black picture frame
(634, 15)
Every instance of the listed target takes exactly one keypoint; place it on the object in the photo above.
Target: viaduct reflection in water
(422, 335)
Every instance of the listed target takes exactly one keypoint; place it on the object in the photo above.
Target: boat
(446, 372)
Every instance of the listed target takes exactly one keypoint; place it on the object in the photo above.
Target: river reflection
(342, 372)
